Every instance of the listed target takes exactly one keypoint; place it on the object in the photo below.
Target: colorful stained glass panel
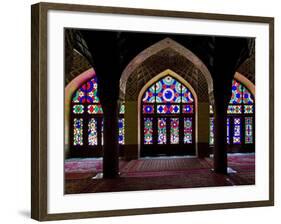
(237, 91)
(78, 109)
(162, 135)
(234, 109)
(121, 127)
(248, 109)
(79, 96)
(187, 139)
(211, 137)
(149, 95)
(92, 132)
(186, 95)
(237, 131)
(168, 109)
(247, 97)
(78, 131)
(187, 109)
(148, 131)
(174, 137)
(248, 130)
(168, 90)
(148, 109)
(95, 109)
(91, 90)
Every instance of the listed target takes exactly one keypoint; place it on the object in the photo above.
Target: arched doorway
(167, 116)
(240, 134)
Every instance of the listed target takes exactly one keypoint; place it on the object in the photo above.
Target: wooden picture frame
(39, 108)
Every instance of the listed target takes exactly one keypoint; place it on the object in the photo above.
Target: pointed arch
(154, 49)
(167, 72)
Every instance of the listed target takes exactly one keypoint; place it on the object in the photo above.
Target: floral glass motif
(168, 109)
(78, 131)
(148, 109)
(174, 138)
(248, 109)
(234, 109)
(237, 131)
(78, 109)
(92, 132)
(168, 90)
(237, 91)
(149, 95)
(162, 138)
(187, 109)
(87, 93)
(186, 95)
(247, 97)
(187, 139)
(95, 109)
(121, 126)
(211, 137)
(148, 131)
(248, 130)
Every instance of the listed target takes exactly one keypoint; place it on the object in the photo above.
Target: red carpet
(162, 173)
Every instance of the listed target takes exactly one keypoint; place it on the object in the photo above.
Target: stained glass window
(92, 132)
(186, 95)
(78, 109)
(148, 109)
(162, 138)
(174, 130)
(240, 114)
(78, 131)
(148, 130)
(168, 109)
(248, 130)
(237, 131)
(187, 130)
(234, 109)
(237, 91)
(211, 137)
(95, 109)
(187, 109)
(121, 126)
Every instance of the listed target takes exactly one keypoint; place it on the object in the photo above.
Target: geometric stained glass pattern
(237, 90)
(234, 109)
(168, 90)
(78, 131)
(174, 130)
(162, 137)
(87, 93)
(168, 109)
(237, 130)
(187, 109)
(95, 109)
(248, 109)
(78, 109)
(92, 132)
(187, 130)
(121, 128)
(148, 130)
(148, 109)
(149, 95)
(211, 137)
(186, 95)
(248, 130)
(247, 97)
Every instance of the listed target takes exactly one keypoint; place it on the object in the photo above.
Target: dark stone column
(222, 95)
(110, 145)
(220, 150)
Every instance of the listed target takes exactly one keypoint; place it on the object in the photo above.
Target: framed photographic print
(138, 111)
